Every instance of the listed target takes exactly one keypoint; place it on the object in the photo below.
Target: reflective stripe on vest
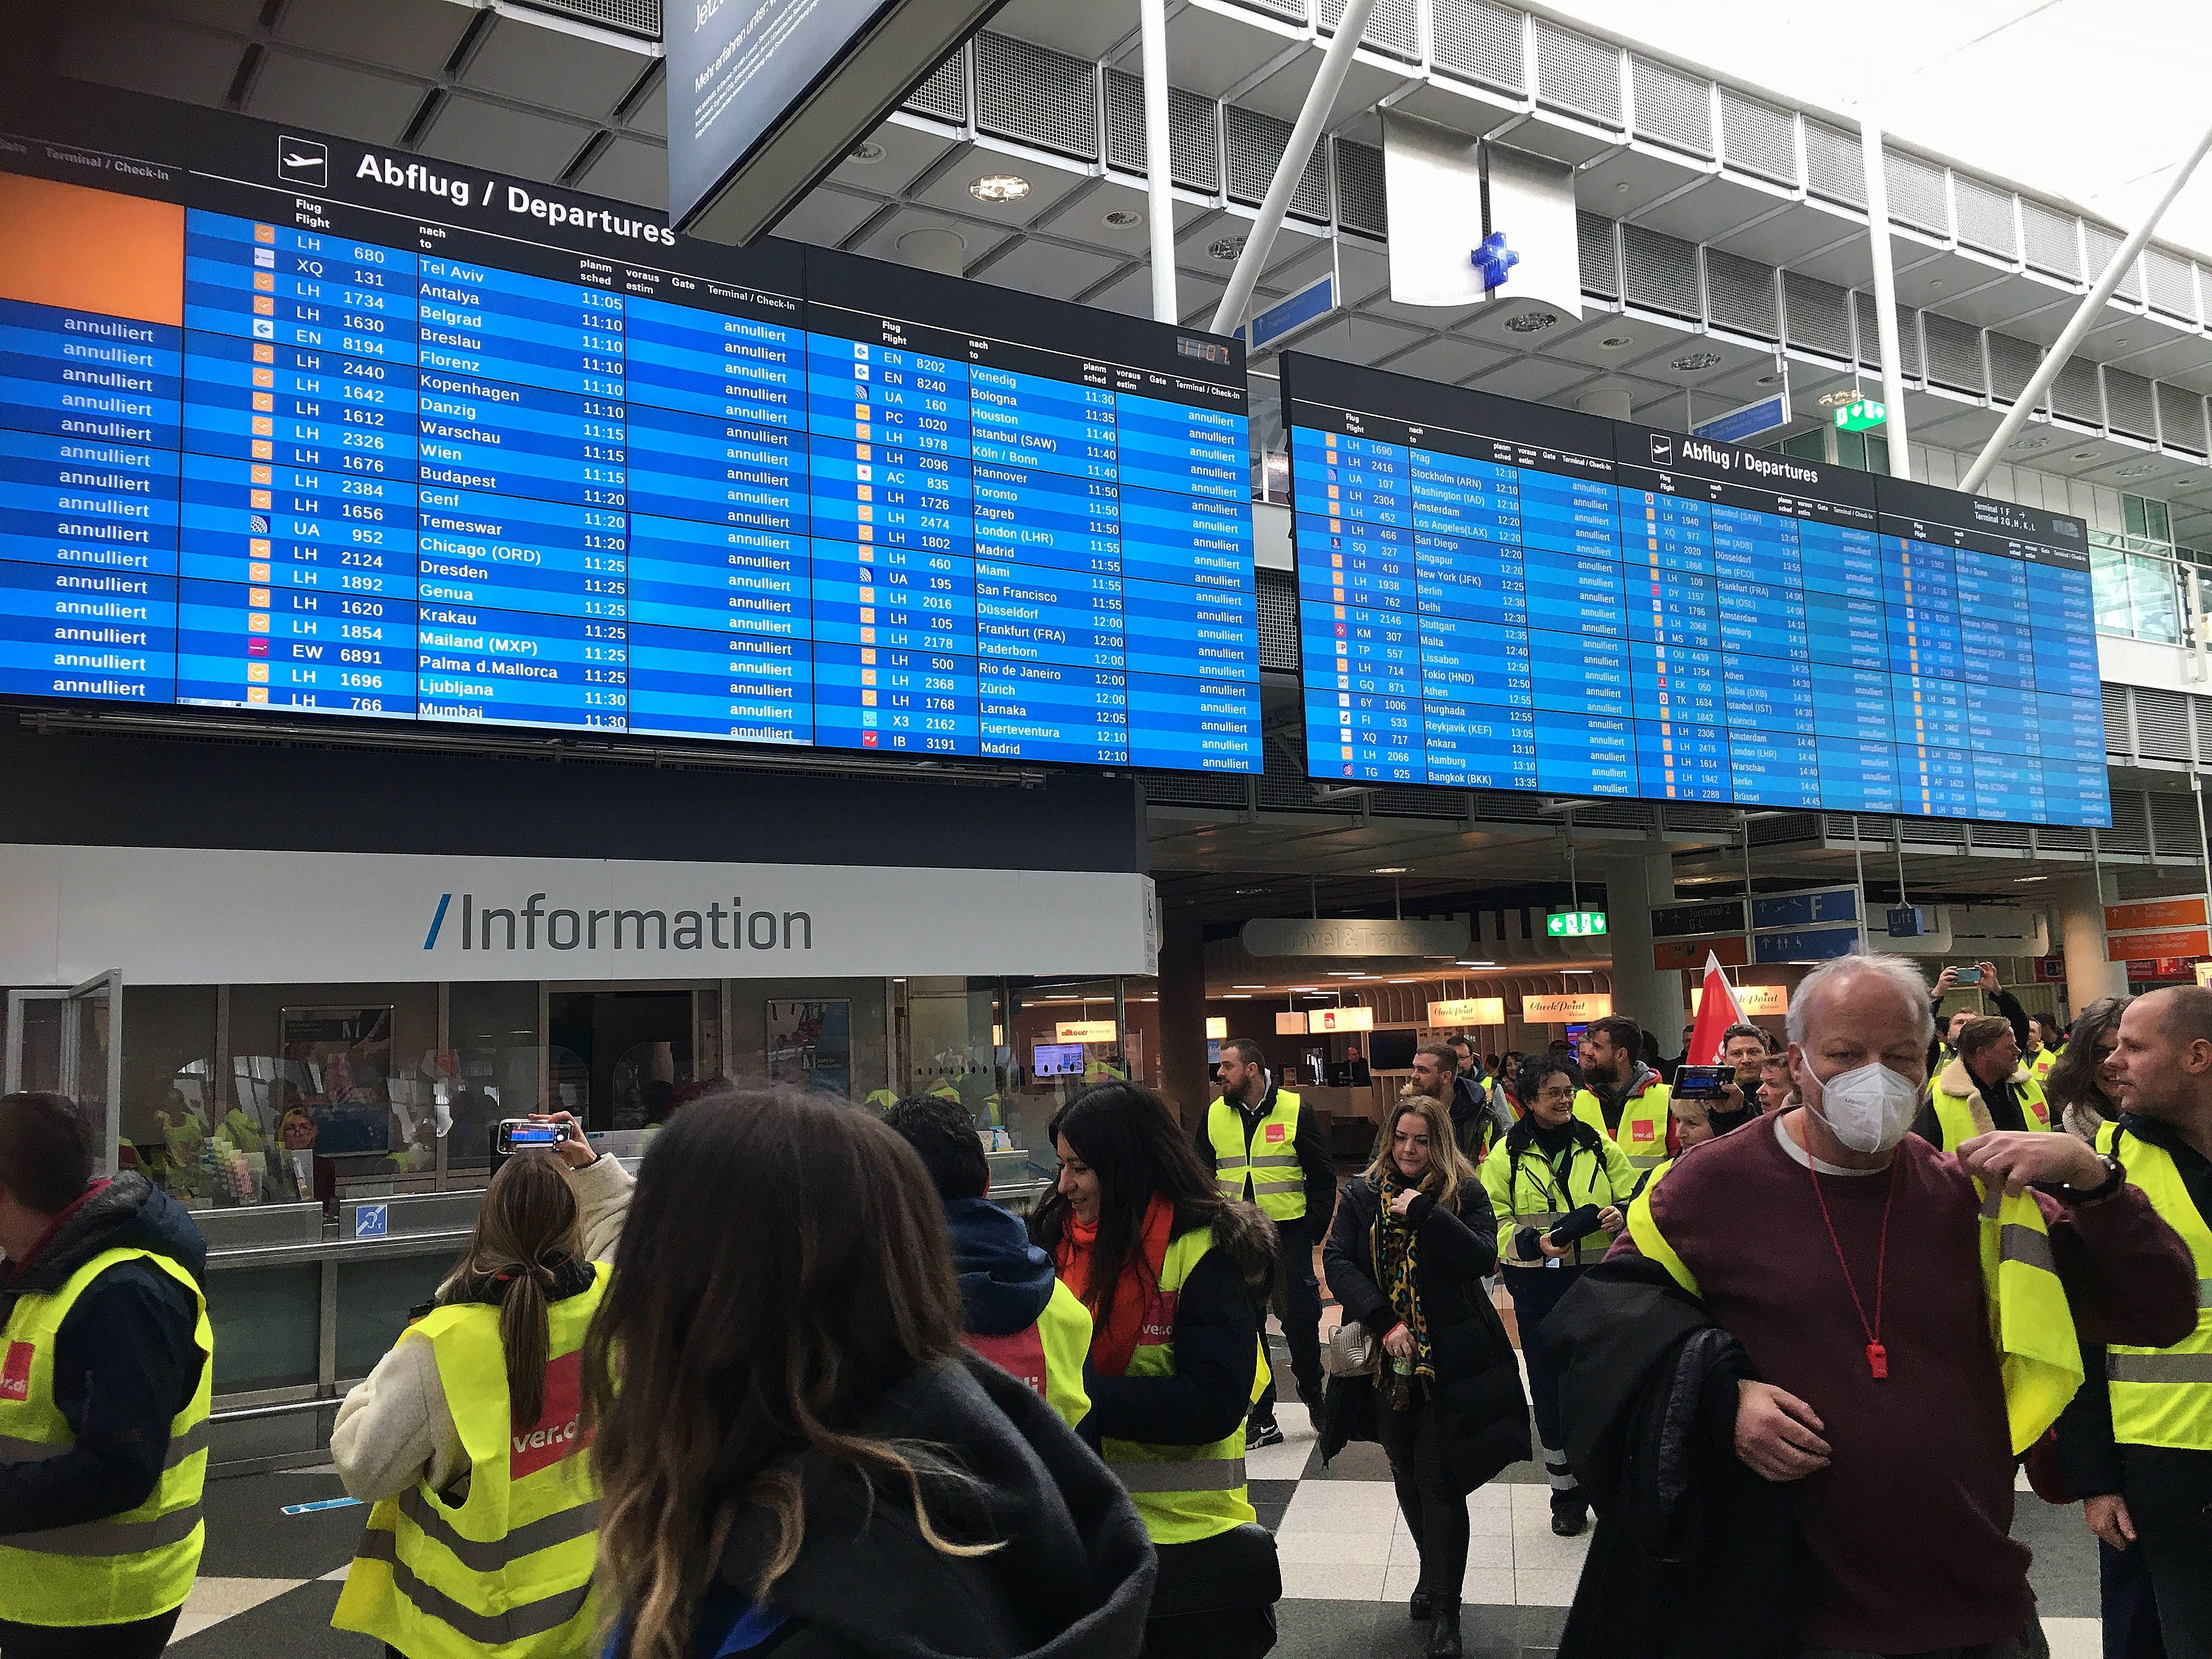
(139, 1564)
(2031, 1328)
(513, 1562)
(1266, 1169)
(2163, 1396)
(1184, 1493)
(1524, 1192)
(1642, 1137)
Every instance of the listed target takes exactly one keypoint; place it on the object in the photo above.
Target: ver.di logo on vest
(522, 928)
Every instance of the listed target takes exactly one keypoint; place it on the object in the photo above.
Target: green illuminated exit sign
(1574, 924)
(1859, 416)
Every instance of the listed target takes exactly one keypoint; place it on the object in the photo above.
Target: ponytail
(525, 1228)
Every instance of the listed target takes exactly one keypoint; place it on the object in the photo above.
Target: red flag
(1716, 1011)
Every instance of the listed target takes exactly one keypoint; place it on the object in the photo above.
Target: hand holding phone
(1968, 976)
(524, 1134)
(1702, 1082)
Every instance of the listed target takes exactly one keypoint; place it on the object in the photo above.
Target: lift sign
(1574, 924)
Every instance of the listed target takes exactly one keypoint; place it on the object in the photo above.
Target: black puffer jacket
(1072, 1577)
(125, 1360)
(1485, 1414)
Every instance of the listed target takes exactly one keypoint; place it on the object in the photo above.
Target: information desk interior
(1505, 595)
(401, 450)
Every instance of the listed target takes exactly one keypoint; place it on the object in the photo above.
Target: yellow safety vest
(1049, 1356)
(882, 1099)
(2031, 1328)
(1524, 1192)
(137, 1564)
(2163, 1396)
(946, 1088)
(1960, 1114)
(508, 1573)
(2039, 1067)
(1264, 1170)
(1642, 1135)
(1184, 1493)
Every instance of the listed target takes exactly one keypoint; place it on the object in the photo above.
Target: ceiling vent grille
(2012, 363)
(1393, 28)
(2128, 406)
(2130, 830)
(1279, 621)
(2000, 834)
(1449, 804)
(1741, 294)
(1832, 168)
(2161, 724)
(2181, 419)
(2062, 838)
(639, 17)
(2053, 240)
(1600, 255)
(1193, 789)
(1361, 203)
(1985, 217)
(943, 95)
(2103, 243)
(1194, 140)
(1954, 353)
(1818, 316)
(2074, 394)
(2116, 741)
(1757, 137)
(2173, 830)
(2172, 283)
(1931, 832)
(1917, 196)
(1478, 41)
(1662, 272)
(1908, 338)
(1578, 75)
(1035, 95)
(1256, 142)
(1672, 108)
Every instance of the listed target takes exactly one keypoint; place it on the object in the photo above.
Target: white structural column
(1159, 159)
(2081, 933)
(1650, 996)
(1885, 294)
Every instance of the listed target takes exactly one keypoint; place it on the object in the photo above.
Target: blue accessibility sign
(372, 1221)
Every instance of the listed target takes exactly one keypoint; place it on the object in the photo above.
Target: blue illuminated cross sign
(1493, 259)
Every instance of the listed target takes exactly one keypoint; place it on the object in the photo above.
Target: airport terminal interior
(504, 611)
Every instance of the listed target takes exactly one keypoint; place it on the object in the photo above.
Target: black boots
(1444, 1630)
(1420, 1606)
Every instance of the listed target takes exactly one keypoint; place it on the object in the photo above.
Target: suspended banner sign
(1468, 1011)
(1353, 936)
(1291, 1024)
(767, 96)
(1086, 1030)
(1691, 953)
(1754, 1000)
(1216, 1029)
(1341, 1019)
(1564, 1009)
(1741, 425)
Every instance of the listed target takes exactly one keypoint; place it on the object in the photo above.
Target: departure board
(1503, 595)
(291, 424)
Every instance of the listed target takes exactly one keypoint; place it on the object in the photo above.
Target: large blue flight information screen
(1503, 595)
(291, 424)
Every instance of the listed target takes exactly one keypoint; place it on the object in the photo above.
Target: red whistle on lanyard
(1877, 1361)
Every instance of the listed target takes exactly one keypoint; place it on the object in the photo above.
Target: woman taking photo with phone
(799, 1452)
(1412, 1239)
(466, 1437)
(1553, 1175)
(1172, 1271)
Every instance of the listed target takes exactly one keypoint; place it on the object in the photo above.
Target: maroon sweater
(1907, 1528)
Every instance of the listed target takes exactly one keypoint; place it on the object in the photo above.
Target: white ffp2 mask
(1868, 1108)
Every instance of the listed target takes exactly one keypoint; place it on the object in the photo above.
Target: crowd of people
(1790, 1333)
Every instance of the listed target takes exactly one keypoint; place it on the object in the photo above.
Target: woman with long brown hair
(798, 1452)
(1414, 1238)
(1174, 1273)
(468, 1438)
(2079, 1084)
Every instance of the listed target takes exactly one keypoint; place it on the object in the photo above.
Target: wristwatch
(2115, 1177)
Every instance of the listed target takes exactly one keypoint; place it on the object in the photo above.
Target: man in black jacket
(1248, 1124)
(126, 1363)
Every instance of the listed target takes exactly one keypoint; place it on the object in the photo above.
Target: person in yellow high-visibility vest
(1174, 1272)
(1983, 1087)
(470, 1438)
(106, 1361)
(1908, 1316)
(1264, 1146)
(1014, 1310)
(1621, 1098)
(2046, 1043)
(2138, 1441)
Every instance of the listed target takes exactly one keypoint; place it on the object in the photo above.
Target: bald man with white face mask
(1845, 1255)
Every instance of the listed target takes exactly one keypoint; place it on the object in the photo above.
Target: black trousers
(1298, 1304)
(2126, 1603)
(2169, 1493)
(142, 1638)
(1428, 1497)
(1536, 1292)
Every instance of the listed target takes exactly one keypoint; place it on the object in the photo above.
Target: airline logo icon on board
(303, 162)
